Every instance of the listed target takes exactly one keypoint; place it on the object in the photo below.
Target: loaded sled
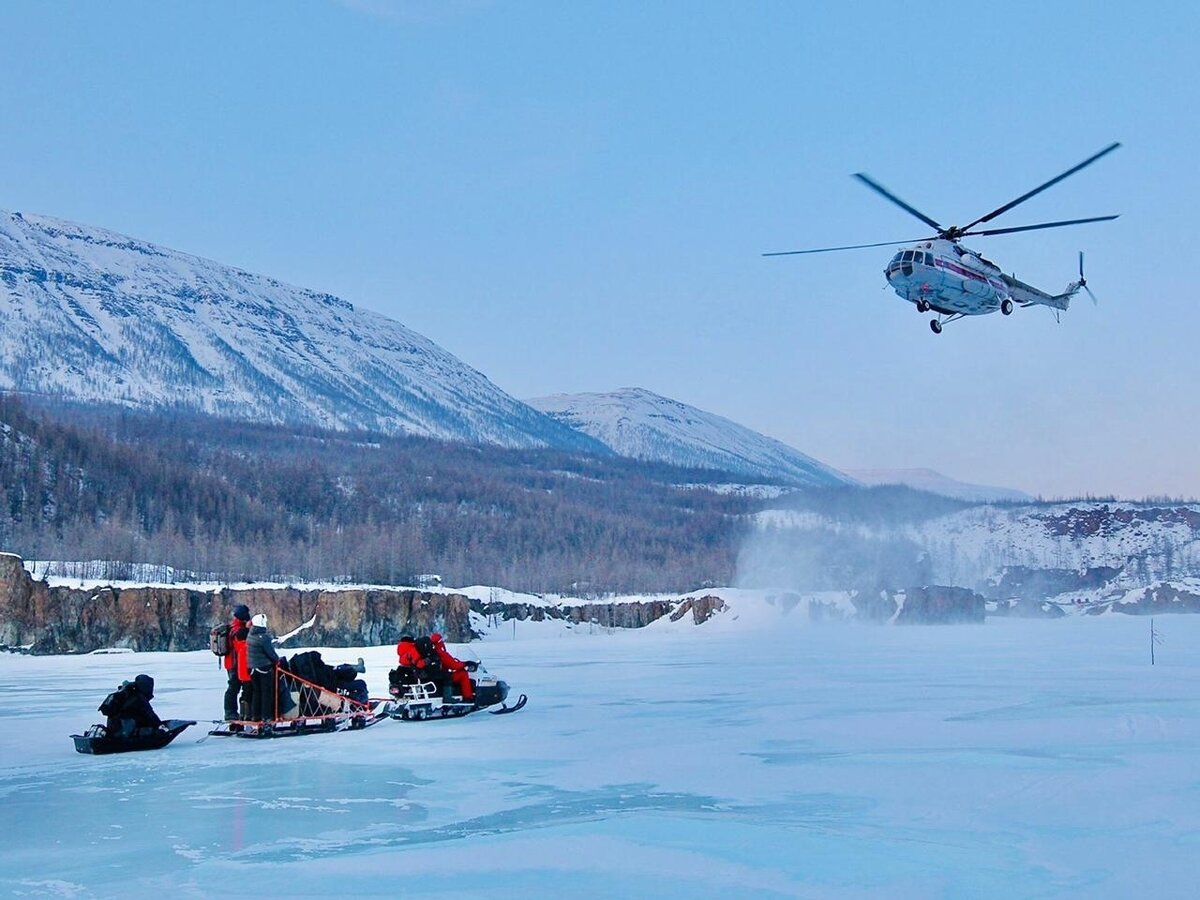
(97, 740)
(418, 697)
(312, 697)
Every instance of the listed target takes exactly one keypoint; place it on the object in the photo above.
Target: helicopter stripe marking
(966, 273)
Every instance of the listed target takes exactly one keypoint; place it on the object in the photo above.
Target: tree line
(237, 500)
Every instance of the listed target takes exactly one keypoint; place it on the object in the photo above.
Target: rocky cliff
(49, 619)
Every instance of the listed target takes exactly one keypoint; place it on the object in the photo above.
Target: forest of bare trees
(242, 501)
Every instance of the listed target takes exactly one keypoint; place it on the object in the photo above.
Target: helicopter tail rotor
(1083, 282)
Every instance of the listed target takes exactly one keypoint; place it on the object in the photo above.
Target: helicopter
(939, 274)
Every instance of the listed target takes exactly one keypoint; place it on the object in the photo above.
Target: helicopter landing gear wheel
(935, 326)
(922, 306)
(1006, 306)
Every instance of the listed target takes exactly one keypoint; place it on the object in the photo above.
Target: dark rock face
(938, 605)
(1025, 609)
(1039, 584)
(1153, 601)
(1103, 519)
(931, 605)
(66, 620)
(701, 608)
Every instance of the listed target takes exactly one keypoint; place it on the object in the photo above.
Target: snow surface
(637, 423)
(92, 315)
(764, 757)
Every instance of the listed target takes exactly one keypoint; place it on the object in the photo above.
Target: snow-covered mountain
(937, 483)
(637, 423)
(89, 315)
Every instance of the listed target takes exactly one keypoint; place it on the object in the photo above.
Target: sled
(355, 720)
(350, 714)
(97, 741)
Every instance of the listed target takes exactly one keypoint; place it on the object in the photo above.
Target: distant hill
(94, 316)
(639, 424)
(937, 483)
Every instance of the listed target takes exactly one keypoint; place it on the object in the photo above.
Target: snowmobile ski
(505, 709)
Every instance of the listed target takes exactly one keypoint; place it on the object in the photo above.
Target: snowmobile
(417, 696)
(96, 740)
(313, 697)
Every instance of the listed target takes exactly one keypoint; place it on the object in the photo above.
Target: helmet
(436, 638)
(259, 621)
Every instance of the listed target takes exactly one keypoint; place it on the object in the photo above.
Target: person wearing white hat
(263, 661)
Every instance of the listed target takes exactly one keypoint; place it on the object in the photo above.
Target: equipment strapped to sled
(351, 715)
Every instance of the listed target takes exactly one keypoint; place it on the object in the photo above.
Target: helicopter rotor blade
(884, 192)
(987, 231)
(850, 247)
(1037, 190)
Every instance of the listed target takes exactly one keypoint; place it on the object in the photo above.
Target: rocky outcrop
(1040, 584)
(701, 608)
(940, 605)
(48, 619)
(1156, 600)
(930, 605)
(65, 620)
(1025, 609)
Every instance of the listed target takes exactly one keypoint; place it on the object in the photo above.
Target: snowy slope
(637, 423)
(95, 316)
(937, 483)
(1146, 541)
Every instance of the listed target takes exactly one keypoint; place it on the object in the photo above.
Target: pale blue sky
(574, 196)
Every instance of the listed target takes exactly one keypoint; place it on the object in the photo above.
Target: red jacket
(448, 662)
(238, 630)
(409, 655)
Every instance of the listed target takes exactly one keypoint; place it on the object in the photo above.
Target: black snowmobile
(97, 740)
(428, 693)
(313, 697)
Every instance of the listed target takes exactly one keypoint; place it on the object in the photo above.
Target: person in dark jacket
(456, 668)
(237, 666)
(264, 663)
(133, 714)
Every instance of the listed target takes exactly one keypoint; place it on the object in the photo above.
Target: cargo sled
(97, 741)
(312, 697)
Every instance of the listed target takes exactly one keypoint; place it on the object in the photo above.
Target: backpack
(218, 639)
(115, 702)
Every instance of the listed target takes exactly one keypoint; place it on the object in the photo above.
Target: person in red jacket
(455, 667)
(408, 653)
(237, 668)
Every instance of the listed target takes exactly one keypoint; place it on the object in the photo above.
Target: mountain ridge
(640, 424)
(92, 315)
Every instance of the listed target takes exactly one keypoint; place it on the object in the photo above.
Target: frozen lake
(1013, 759)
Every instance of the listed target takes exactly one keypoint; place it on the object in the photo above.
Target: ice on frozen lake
(1012, 759)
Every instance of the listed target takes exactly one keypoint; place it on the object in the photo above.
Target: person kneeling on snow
(457, 669)
(129, 711)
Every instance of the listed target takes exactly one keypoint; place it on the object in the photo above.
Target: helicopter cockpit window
(908, 255)
(929, 259)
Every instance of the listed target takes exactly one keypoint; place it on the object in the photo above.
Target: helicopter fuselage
(945, 277)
